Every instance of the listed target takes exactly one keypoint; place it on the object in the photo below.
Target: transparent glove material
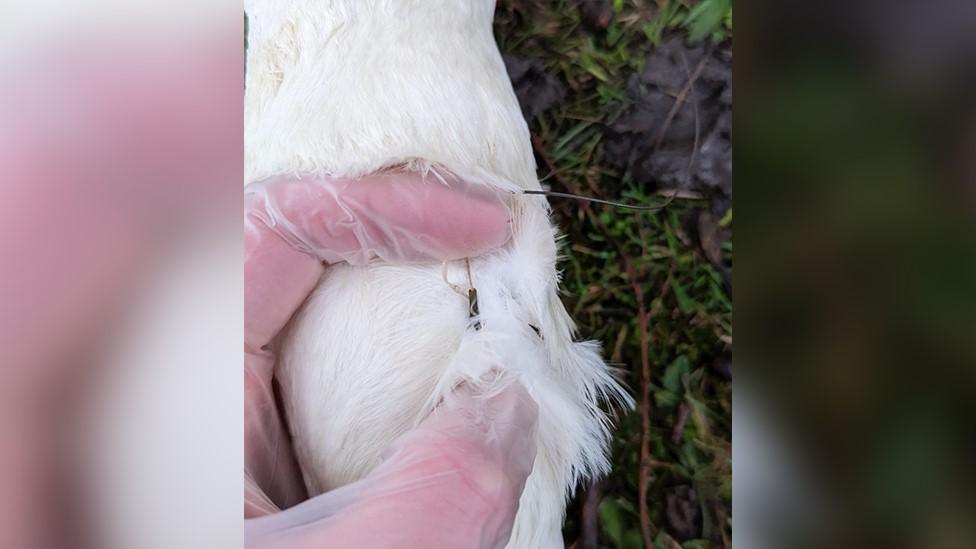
(454, 482)
(448, 470)
(384, 216)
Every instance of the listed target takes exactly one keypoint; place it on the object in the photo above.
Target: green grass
(688, 310)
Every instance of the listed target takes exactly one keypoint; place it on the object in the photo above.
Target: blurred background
(856, 274)
(121, 287)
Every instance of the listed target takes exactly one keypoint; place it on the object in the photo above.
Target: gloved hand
(455, 481)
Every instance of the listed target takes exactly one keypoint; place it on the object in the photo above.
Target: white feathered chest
(351, 86)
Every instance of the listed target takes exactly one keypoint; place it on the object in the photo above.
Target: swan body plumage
(349, 87)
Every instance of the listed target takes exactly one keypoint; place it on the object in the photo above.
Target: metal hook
(471, 294)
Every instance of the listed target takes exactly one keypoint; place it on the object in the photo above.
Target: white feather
(351, 86)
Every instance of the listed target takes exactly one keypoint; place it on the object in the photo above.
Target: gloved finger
(396, 217)
(277, 278)
(453, 482)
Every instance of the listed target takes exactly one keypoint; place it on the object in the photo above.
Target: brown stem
(644, 473)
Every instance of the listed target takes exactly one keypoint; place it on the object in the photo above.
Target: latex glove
(453, 482)
(291, 227)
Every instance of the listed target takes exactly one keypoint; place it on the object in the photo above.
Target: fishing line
(555, 194)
